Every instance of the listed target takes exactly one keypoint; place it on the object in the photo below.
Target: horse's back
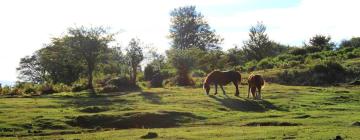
(256, 80)
(225, 77)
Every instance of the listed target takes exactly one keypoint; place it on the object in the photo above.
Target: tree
(353, 42)
(259, 45)
(89, 44)
(59, 62)
(30, 69)
(183, 61)
(189, 29)
(321, 42)
(135, 56)
(235, 57)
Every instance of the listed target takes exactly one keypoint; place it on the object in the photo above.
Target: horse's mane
(207, 78)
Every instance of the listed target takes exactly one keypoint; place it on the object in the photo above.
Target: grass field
(287, 112)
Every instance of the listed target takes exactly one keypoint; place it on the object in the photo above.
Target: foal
(255, 82)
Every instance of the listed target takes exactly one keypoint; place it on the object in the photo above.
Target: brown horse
(255, 82)
(222, 78)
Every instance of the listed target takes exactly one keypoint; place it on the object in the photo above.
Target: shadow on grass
(152, 97)
(162, 119)
(102, 99)
(245, 104)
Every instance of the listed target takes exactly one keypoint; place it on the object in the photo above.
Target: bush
(78, 87)
(5, 90)
(62, 88)
(313, 49)
(30, 90)
(156, 81)
(198, 73)
(149, 72)
(118, 84)
(298, 51)
(110, 88)
(265, 64)
(325, 73)
(47, 89)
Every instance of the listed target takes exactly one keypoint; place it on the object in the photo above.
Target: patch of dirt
(94, 109)
(163, 119)
(272, 124)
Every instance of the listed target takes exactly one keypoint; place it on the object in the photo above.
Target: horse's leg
(259, 94)
(253, 92)
(222, 88)
(237, 88)
(215, 89)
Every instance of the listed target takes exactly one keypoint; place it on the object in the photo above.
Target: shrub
(5, 90)
(265, 64)
(62, 88)
(313, 49)
(30, 90)
(298, 51)
(328, 72)
(251, 65)
(149, 72)
(110, 88)
(198, 73)
(47, 89)
(118, 84)
(156, 81)
(78, 87)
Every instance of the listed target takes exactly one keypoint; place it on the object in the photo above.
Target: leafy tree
(30, 69)
(89, 44)
(59, 62)
(149, 72)
(259, 45)
(353, 42)
(135, 56)
(183, 61)
(189, 29)
(211, 60)
(235, 57)
(114, 64)
(321, 42)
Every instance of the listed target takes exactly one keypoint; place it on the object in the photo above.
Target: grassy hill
(287, 112)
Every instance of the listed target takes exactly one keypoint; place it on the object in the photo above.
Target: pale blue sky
(26, 25)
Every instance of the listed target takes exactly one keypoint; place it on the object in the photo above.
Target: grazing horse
(222, 78)
(255, 82)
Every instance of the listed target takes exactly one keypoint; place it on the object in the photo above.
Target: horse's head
(206, 87)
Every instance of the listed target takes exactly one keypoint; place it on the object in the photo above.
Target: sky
(25, 26)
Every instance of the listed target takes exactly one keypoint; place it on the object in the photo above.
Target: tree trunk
(90, 78)
(134, 75)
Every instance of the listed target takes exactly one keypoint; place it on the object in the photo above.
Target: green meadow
(286, 112)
